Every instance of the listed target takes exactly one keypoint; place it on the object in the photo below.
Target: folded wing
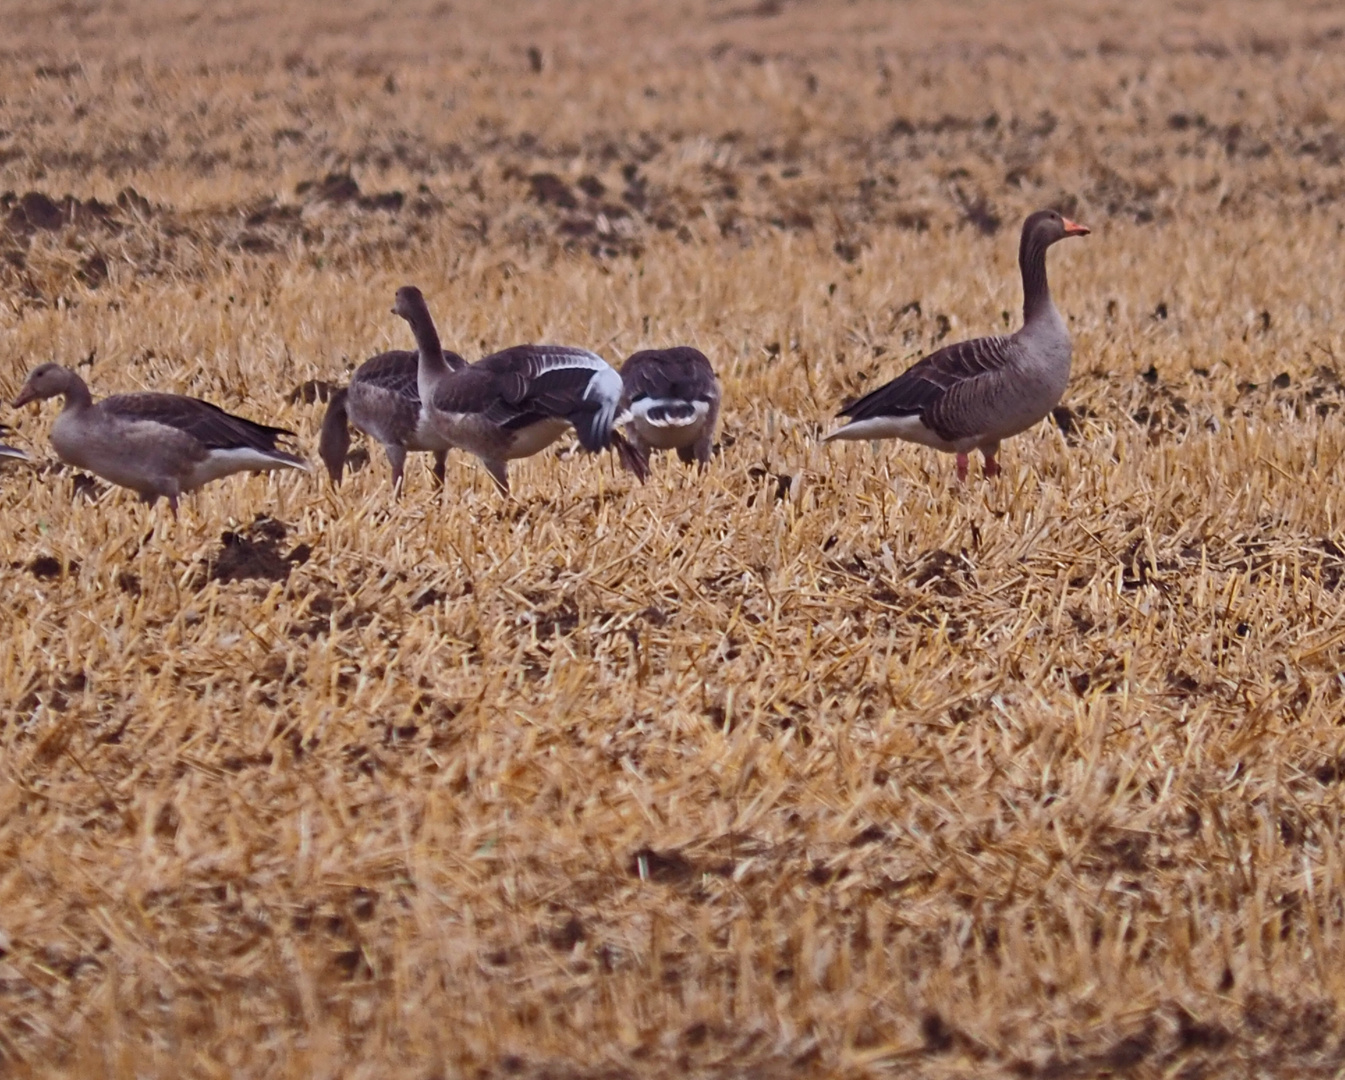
(937, 388)
(526, 384)
(208, 424)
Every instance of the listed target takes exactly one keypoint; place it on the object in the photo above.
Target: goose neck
(1036, 291)
(427, 343)
(77, 396)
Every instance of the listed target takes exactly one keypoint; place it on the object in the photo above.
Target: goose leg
(439, 458)
(702, 448)
(397, 459)
(992, 468)
(499, 472)
(166, 490)
(962, 468)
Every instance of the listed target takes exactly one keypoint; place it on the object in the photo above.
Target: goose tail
(631, 458)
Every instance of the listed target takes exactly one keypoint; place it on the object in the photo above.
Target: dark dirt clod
(254, 553)
(48, 568)
(548, 188)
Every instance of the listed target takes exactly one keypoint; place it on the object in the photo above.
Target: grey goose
(672, 401)
(159, 445)
(974, 394)
(516, 402)
(384, 398)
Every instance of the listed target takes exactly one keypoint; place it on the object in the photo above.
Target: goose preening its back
(520, 400)
(154, 444)
(972, 395)
(672, 398)
(385, 399)
(10, 453)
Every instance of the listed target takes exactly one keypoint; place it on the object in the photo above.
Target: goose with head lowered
(158, 445)
(973, 395)
(10, 453)
(516, 402)
(385, 395)
(672, 401)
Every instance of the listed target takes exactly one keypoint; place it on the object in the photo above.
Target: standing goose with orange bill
(973, 395)
(159, 445)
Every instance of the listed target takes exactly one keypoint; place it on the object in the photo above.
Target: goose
(972, 395)
(672, 398)
(516, 402)
(155, 444)
(10, 453)
(385, 394)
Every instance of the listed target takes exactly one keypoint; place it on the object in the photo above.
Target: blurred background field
(815, 764)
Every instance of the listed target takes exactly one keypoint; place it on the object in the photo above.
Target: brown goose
(673, 400)
(384, 398)
(520, 400)
(11, 453)
(154, 444)
(972, 395)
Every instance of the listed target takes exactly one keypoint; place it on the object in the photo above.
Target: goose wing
(396, 372)
(941, 389)
(208, 424)
(525, 384)
(680, 373)
(10, 451)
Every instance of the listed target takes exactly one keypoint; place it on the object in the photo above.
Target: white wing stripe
(676, 411)
(565, 359)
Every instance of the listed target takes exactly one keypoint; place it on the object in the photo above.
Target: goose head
(1045, 227)
(46, 381)
(410, 303)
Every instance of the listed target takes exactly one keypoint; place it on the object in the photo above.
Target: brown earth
(814, 764)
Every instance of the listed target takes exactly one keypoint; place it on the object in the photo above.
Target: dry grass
(815, 765)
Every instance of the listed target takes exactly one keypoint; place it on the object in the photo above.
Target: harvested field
(816, 764)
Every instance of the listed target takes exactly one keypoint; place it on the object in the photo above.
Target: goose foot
(962, 468)
(992, 468)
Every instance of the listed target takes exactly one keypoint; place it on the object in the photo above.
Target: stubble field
(815, 764)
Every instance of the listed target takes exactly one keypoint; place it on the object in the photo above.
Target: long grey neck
(77, 396)
(432, 366)
(1036, 292)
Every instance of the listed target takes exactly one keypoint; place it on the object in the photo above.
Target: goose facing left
(158, 445)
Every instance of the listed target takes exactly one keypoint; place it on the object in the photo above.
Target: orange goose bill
(158, 445)
(516, 402)
(384, 400)
(973, 395)
(672, 402)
